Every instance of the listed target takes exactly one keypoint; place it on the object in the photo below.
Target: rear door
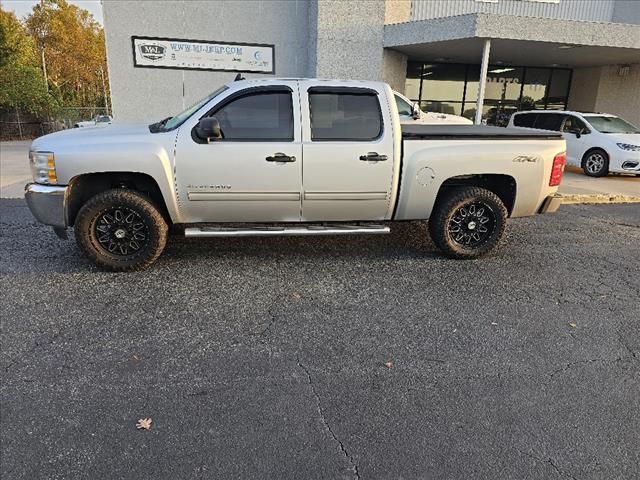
(348, 150)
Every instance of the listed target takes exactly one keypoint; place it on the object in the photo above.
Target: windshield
(174, 122)
(611, 125)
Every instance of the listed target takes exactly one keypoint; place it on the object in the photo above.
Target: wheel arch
(504, 186)
(83, 187)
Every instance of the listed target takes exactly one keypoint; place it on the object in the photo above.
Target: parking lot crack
(323, 419)
(570, 365)
(548, 461)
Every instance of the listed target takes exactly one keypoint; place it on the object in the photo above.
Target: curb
(598, 199)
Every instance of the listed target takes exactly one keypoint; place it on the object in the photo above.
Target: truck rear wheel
(468, 222)
(121, 230)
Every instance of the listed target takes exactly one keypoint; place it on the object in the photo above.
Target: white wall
(603, 89)
(149, 94)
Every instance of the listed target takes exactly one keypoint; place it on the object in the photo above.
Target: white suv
(410, 113)
(599, 143)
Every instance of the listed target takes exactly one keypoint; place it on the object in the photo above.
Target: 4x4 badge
(525, 159)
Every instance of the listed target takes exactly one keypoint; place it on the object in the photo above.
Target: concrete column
(483, 80)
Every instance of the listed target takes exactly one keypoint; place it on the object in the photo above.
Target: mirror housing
(416, 112)
(208, 129)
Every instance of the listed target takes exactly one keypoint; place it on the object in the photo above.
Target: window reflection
(453, 88)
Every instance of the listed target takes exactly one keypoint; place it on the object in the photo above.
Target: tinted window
(259, 116)
(549, 121)
(403, 107)
(524, 120)
(345, 116)
(574, 125)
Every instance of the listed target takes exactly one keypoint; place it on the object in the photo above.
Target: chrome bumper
(551, 203)
(48, 204)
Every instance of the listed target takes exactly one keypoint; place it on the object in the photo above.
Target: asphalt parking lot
(347, 357)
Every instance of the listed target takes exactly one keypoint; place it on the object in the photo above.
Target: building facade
(483, 59)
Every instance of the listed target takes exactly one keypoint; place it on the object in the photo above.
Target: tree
(21, 82)
(72, 49)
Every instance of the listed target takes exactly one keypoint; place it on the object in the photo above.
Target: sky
(23, 7)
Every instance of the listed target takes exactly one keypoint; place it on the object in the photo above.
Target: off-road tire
(92, 216)
(447, 212)
(590, 156)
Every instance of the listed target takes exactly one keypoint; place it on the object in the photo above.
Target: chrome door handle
(280, 157)
(373, 157)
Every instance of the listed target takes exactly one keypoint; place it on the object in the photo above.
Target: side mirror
(416, 112)
(208, 129)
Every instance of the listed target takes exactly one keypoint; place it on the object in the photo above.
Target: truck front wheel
(121, 230)
(468, 222)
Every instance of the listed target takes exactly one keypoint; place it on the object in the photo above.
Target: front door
(348, 148)
(578, 139)
(252, 174)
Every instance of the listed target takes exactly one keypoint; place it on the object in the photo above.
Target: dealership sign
(173, 53)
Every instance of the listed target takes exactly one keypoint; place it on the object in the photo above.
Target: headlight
(629, 147)
(43, 167)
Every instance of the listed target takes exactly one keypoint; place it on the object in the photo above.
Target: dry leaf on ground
(144, 424)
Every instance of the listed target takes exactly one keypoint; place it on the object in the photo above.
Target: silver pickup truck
(288, 157)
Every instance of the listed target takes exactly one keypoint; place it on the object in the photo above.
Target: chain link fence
(21, 126)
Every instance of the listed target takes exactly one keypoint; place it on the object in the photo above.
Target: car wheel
(468, 222)
(121, 230)
(595, 163)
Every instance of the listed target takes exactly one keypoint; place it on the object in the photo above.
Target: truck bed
(473, 132)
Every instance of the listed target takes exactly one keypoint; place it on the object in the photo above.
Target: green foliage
(23, 89)
(74, 50)
(16, 47)
(70, 44)
(22, 84)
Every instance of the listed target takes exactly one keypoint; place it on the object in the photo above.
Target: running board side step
(286, 231)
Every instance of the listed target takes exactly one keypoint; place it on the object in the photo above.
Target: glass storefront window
(450, 108)
(559, 89)
(534, 88)
(453, 88)
(443, 81)
(412, 85)
(503, 84)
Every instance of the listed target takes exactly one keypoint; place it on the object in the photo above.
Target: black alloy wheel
(468, 222)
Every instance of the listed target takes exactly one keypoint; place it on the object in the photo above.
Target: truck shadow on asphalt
(29, 247)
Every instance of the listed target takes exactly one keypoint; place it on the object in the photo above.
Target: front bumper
(551, 203)
(48, 203)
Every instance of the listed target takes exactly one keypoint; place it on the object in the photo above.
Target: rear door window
(344, 116)
(524, 119)
(549, 121)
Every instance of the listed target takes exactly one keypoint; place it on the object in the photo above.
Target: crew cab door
(252, 174)
(348, 149)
